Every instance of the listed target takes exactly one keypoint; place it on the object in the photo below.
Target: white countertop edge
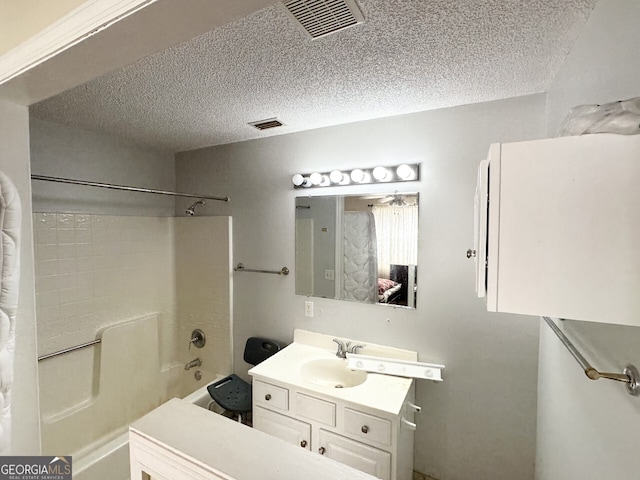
(207, 439)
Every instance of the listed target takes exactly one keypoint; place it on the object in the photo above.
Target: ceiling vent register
(322, 17)
(266, 124)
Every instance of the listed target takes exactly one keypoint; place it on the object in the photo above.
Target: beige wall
(21, 19)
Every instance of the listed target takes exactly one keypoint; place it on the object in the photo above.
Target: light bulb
(357, 175)
(297, 179)
(404, 171)
(335, 176)
(316, 178)
(381, 174)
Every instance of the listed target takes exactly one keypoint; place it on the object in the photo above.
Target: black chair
(234, 394)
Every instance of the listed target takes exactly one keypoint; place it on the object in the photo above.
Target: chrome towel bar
(630, 375)
(70, 349)
(241, 268)
(45, 178)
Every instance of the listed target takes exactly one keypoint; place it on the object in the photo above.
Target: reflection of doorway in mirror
(304, 256)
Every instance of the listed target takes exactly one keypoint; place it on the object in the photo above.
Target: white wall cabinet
(558, 228)
(374, 442)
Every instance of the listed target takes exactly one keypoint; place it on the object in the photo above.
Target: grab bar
(241, 268)
(70, 349)
(630, 375)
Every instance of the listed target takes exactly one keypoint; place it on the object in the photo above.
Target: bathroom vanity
(308, 397)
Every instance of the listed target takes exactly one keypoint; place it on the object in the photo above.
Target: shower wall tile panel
(93, 271)
(203, 289)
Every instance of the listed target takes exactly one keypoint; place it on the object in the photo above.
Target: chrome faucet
(343, 348)
(193, 363)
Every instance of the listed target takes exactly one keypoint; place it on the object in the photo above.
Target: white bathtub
(110, 461)
(129, 382)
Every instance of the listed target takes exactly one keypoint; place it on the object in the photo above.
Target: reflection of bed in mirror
(344, 243)
(399, 288)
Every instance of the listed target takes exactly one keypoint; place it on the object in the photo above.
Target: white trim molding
(81, 23)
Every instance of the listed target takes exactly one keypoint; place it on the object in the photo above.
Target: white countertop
(385, 393)
(220, 445)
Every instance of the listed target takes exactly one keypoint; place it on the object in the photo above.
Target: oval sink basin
(332, 373)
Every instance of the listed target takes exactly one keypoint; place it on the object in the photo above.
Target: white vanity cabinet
(375, 442)
(558, 228)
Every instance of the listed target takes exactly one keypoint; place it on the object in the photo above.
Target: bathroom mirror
(358, 248)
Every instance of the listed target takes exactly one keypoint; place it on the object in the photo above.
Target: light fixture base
(405, 172)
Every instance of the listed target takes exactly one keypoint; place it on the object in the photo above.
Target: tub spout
(193, 363)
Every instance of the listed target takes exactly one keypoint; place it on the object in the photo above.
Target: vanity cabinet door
(286, 428)
(355, 454)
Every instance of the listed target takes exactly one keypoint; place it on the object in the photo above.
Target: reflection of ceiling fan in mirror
(394, 199)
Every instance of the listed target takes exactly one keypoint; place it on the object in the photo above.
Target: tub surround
(182, 441)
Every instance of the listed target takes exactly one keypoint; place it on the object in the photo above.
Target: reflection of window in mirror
(358, 248)
(396, 231)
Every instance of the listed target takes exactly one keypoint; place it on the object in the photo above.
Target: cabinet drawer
(355, 454)
(315, 409)
(368, 427)
(270, 396)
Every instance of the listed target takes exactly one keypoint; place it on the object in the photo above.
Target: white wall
(14, 162)
(480, 422)
(61, 151)
(588, 430)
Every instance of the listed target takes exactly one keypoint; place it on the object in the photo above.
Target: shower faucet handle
(197, 339)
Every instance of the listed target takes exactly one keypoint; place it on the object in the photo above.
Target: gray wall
(588, 430)
(14, 162)
(61, 151)
(480, 423)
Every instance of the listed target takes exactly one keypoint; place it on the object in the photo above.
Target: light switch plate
(308, 309)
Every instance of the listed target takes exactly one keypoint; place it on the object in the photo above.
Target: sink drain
(339, 386)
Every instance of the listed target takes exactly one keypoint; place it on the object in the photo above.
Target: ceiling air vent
(266, 124)
(322, 17)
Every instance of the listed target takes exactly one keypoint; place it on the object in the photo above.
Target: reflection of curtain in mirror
(360, 275)
(397, 231)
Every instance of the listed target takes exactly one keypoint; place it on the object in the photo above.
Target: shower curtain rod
(45, 178)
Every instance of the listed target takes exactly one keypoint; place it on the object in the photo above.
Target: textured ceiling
(408, 56)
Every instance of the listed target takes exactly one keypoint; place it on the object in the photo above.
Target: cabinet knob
(471, 253)
(303, 443)
(321, 450)
(267, 397)
(365, 429)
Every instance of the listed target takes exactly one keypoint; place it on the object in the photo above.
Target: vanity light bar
(406, 172)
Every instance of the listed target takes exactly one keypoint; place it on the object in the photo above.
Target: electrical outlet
(329, 275)
(308, 309)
